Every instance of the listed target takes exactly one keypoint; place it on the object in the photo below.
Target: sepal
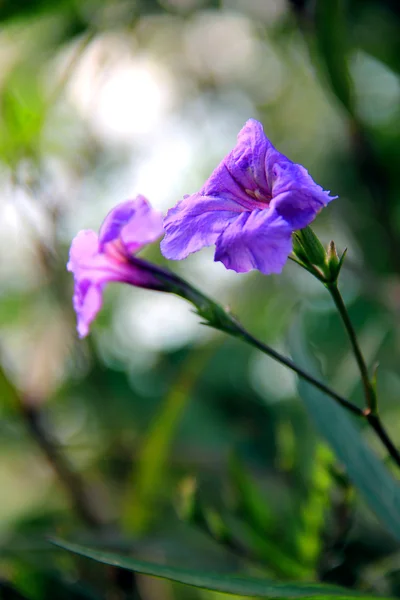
(312, 248)
(325, 264)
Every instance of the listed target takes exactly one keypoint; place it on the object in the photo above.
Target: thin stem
(376, 424)
(372, 418)
(369, 390)
(218, 318)
(283, 360)
(371, 412)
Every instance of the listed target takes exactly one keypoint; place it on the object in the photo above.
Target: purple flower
(248, 208)
(98, 259)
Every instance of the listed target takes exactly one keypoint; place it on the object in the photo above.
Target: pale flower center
(258, 195)
(116, 251)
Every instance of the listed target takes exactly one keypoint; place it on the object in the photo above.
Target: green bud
(334, 262)
(333, 258)
(312, 247)
(298, 249)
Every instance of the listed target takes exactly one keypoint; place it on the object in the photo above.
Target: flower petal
(247, 159)
(91, 273)
(255, 240)
(296, 196)
(87, 302)
(85, 259)
(196, 222)
(93, 269)
(134, 222)
(241, 176)
(115, 220)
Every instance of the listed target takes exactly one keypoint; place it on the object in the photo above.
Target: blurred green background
(156, 435)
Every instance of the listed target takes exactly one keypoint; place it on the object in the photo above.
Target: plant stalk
(241, 333)
(369, 391)
(216, 316)
(376, 424)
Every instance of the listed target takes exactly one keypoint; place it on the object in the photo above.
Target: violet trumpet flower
(249, 208)
(95, 260)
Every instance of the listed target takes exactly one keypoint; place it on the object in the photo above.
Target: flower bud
(334, 262)
(312, 248)
(333, 259)
(298, 249)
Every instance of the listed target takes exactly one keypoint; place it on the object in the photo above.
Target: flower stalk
(308, 254)
(369, 390)
(371, 412)
(325, 265)
(216, 316)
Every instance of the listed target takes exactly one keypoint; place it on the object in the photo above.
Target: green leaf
(368, 474)
(228, 583)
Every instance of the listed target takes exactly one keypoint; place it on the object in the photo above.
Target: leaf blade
(227, 583)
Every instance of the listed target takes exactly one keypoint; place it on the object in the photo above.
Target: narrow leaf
(228, 583)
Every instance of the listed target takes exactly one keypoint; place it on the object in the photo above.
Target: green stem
(241, 333)
(369, 390)
(372, 418)
(371, 412)
(218, 318)
(376, 424)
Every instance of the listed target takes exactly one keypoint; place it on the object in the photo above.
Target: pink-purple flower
(95, 260)
(249, 208)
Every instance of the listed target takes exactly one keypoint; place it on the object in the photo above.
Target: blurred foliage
(156, 437)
